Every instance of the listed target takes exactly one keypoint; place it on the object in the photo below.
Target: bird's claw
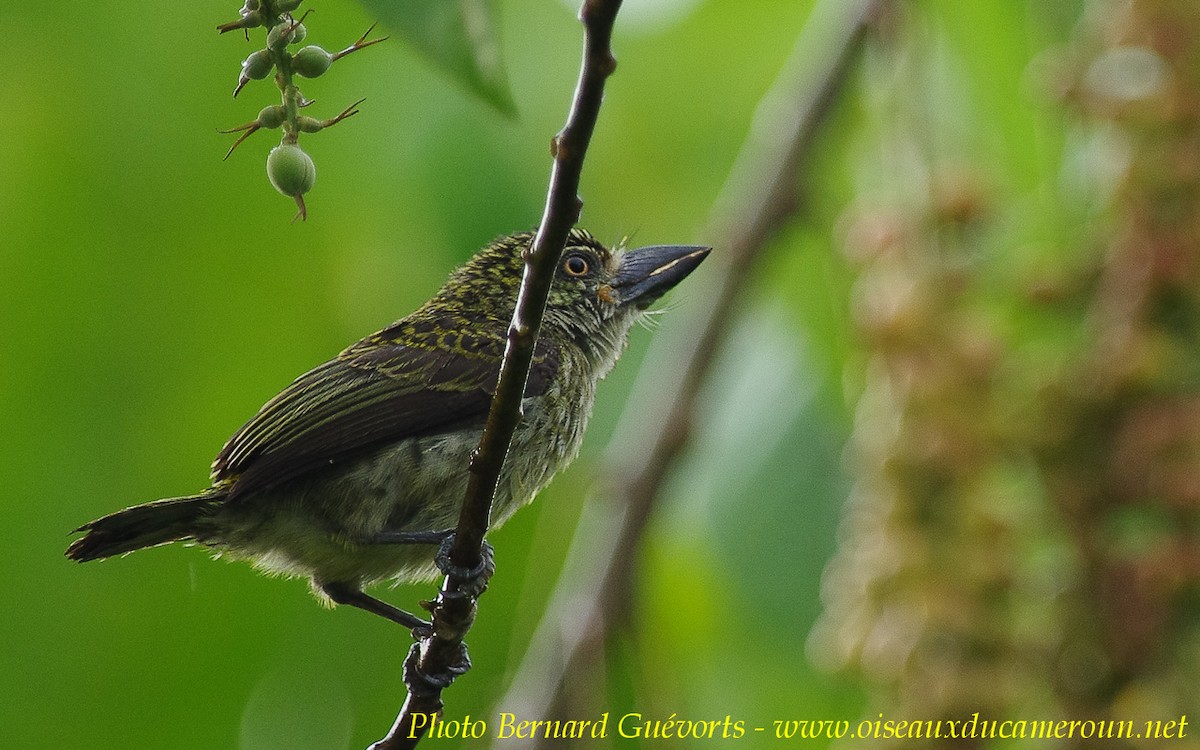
(473, 581)
(424, 685)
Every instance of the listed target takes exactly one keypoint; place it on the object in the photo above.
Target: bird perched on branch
(355, 472)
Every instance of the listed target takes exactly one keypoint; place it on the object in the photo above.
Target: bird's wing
(376, 392)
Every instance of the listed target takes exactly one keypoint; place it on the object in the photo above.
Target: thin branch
(758, 200)
(562, 211)
(439, 655)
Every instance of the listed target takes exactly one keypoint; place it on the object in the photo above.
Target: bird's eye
(576, 265)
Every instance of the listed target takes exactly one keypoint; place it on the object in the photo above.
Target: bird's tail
(145, 525)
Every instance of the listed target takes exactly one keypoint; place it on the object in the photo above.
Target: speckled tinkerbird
(355, 472)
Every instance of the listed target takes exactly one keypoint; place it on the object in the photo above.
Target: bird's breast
(547, 439)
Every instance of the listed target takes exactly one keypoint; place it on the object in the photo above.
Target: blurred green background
(153, 296)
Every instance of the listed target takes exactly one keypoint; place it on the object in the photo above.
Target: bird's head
(597, 293)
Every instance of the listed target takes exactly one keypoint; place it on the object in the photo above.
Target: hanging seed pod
(292, 172)
(311, 61)
(288, 31)
(268, 117)
(281, 35)
(258, 65)
(250, 17)
(271, 116)
(309, 124)
(255, 67)
(312, 124)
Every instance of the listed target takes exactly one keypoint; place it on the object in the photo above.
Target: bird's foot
(422, 684)
(472, 581)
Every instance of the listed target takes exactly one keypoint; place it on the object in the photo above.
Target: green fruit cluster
(289, 168)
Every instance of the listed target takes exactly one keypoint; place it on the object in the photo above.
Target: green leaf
(458, 36)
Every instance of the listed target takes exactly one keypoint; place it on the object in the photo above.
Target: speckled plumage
(376, 440)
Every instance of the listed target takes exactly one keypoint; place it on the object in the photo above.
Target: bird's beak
(647, 273)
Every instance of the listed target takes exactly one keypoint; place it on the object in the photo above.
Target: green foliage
(459, 37)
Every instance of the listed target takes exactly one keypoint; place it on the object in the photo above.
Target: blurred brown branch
(758, 200)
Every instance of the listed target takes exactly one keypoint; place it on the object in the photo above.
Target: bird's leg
(411, 537)
(347, 593)
(475, 579)
(471, 582)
